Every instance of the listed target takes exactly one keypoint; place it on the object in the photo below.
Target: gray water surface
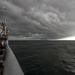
(45, 57)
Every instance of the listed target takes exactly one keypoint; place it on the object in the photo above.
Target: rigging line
(1, 13)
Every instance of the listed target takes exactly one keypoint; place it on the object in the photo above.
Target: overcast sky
(40, 19)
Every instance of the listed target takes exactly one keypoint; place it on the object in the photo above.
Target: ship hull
(12, 66)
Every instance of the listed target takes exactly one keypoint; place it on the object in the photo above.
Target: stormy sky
(40, 19)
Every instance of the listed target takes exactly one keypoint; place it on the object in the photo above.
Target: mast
(1, 14)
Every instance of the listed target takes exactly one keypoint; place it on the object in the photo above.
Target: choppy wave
(45, 57)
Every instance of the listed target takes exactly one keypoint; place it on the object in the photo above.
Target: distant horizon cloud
(38, 38)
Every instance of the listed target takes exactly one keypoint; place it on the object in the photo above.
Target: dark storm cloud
(40, 19)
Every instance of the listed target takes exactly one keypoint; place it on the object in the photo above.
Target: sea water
(45, 57)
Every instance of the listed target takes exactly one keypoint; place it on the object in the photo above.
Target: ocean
(42, 57)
